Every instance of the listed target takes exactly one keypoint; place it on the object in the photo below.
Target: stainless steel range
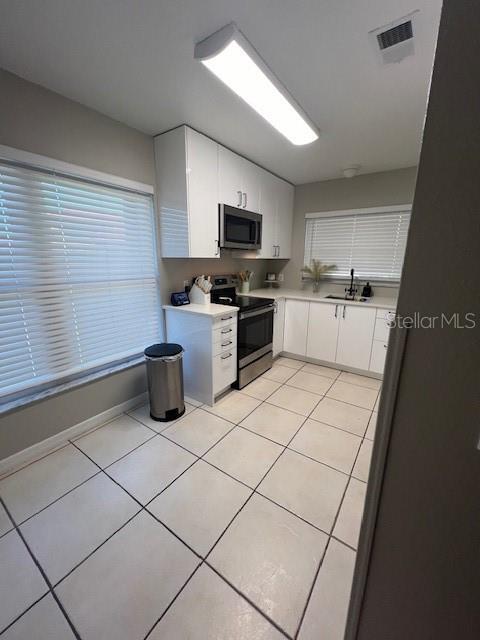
(255, 328)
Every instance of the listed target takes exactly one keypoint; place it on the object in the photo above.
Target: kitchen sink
(332, 297)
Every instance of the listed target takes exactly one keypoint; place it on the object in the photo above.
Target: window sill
(36, 396)
(374, 283)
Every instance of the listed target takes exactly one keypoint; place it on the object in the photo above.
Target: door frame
(391, 382)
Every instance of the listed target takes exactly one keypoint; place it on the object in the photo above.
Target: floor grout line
(44, 576)
(250, 602)
(20, 524)
(28, 464)
(25, 611)
(170, 604)
(204, 559)
(328, 543)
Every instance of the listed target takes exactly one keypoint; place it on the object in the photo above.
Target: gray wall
(40, 121)
(37, 120)
(370, 190)
(175, 271)
(423, 580)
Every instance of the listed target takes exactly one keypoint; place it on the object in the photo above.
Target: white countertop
(382, 302)
(212, 310)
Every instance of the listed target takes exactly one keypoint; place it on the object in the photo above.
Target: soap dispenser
(367, 291)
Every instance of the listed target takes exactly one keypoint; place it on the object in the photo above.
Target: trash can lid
(163, 350)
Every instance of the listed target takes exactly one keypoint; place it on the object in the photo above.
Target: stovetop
(247, 303)
(223, 292)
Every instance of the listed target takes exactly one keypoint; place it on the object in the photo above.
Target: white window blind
(78, 276)
(371, 243)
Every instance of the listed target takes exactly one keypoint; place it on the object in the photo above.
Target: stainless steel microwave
(239, 229)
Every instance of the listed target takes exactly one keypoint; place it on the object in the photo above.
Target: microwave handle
(258, 232)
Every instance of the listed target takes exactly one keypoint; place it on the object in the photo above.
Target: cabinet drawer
(227, 344)
(224, 370)
(225, 320)
(228, 332)
(377, 359)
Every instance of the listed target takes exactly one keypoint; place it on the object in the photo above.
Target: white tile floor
(236, 521)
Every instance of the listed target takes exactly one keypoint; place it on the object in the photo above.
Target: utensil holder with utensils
(198, 296)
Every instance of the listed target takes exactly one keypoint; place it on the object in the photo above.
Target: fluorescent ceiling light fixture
(229, 55)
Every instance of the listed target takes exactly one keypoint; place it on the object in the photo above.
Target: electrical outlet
(280, 277)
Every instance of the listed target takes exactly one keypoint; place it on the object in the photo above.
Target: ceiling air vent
(395, 35)
(395, 41)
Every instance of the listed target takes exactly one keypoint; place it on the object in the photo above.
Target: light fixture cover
(351, 171)
(229, 55)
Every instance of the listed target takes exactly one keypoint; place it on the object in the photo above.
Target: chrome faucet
(351, 291)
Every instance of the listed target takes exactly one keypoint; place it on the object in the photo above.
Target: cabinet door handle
(239, 198)
(225, 344)
(244, 199)
(227, 318)
(344, 309)
(226, 331)
(225, 357)
(385, 346)
(336, 310)
(217, 247)
(278, 252)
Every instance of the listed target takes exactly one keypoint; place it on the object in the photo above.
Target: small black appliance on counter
(367, 291)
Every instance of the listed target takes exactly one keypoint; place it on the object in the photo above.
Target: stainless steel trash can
(165, 381)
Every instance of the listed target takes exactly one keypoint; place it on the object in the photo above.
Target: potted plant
(244, 277)
(316, 271)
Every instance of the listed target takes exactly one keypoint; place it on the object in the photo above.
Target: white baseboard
(40, 449)
(331, 365)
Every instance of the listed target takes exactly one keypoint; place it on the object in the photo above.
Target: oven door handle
(255, 312)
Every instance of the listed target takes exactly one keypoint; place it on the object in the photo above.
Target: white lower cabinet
(383, 323)
(343, 334)
(296, 327)
(210, 349)
(323, 331)
(224, 369)
(377, 359)
(278, 326)
(355, 335)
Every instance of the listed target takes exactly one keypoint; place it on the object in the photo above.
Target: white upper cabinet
(230, 184)
(284, 221)
(238, 181)
(355, 336)
(194, 175)
(268, 209)
(251, 186)
(276, 207)
(202, 160)
(187, 174)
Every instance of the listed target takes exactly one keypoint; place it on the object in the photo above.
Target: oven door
(239, 229)
(255, 334)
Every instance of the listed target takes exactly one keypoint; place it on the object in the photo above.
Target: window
(371, 241)
(78, 276)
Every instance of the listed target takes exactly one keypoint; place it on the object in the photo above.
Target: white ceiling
(133, 60)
